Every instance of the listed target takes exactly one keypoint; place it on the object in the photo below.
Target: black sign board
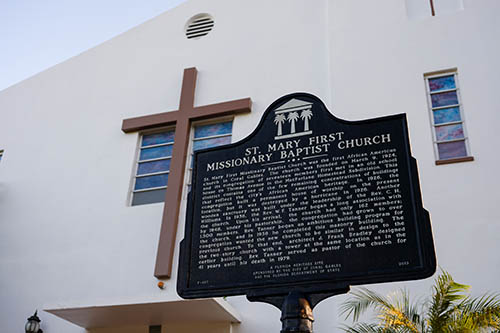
(306, 202)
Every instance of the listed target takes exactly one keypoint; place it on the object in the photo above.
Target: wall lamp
(33, 324)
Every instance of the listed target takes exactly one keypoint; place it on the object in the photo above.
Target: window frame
(443, 73)
(137, 161)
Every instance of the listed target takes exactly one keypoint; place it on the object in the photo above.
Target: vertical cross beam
(433, 10)
(166, 244)
(182, 120)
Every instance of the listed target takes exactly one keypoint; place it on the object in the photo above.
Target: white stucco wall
(174, 327)
(67, 235)
(378, 62)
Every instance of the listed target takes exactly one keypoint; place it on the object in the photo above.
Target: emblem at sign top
(307, 202)
(291, 112)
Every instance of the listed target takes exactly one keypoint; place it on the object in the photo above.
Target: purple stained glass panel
(157, 138)
(444, 99)
(155, 166)
(449, 132)
(142, 183)
(442, 83)
(213, 129)
(451, 150)
(447, 115)
(208, 143)
(155, 152)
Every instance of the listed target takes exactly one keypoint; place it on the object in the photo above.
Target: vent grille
(199, 26)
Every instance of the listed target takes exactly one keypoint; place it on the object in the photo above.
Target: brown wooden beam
(170, 218)
(220, 109)
(182, 120)
(150, 121)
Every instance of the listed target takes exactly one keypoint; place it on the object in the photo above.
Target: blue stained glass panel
(208, 143)
(151, 181)
(444, 99)
(450, 132)
(447, 115)
(155, 166)
(451, 150)
(213, 129)
(157, 138)
(442, 83)
(155, 152)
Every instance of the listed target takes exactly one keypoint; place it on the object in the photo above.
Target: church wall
(198, 327)
(68, 237)
(126, 329)
(172, 327)
(378, 61)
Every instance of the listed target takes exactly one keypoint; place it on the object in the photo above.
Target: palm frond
(450, 310)
(364, 328)
(362, 299)
(446, 292)
(394, 318)
(457, 323)
(483, 311)
(372, 328)
(403, 313)
(394, 312)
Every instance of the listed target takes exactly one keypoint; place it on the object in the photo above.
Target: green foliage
(449, 310)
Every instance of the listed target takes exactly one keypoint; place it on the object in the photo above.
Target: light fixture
(33, 324)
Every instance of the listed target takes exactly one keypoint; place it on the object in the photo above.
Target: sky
(36, 35)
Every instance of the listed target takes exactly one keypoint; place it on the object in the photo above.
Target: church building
(96, 152)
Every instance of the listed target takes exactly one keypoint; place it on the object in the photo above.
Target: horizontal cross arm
(151, 121)
(238, 106)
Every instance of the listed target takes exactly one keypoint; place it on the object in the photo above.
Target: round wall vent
(199, 26)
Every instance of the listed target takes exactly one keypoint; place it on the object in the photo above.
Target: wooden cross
(182, 120)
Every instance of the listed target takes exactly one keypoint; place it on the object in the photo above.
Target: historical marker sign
(307, 202)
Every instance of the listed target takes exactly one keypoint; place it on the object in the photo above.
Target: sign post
(304, 207)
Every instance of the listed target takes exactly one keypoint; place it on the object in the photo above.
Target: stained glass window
(444, 99)
(153, 165)
(442, 83)
(208, 136)
(450, 139)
